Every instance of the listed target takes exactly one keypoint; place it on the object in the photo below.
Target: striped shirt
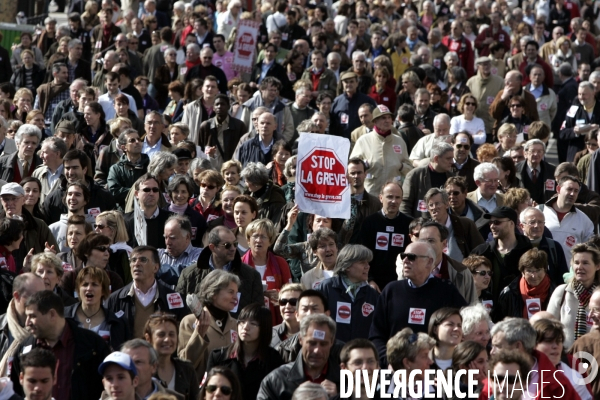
(171, 267)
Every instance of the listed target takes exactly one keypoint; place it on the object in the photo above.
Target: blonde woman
(29, 74)
(410, 84)
(112, 225)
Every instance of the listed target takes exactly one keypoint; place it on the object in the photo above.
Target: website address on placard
(315, 196)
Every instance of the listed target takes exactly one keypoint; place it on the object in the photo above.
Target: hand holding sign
(292, 217)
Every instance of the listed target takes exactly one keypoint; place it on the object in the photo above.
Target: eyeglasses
(454, 193)
(102, 248)
(207, 186)
(100, 226)
(483, 273)
(497, 221)
(470, 104)
(411, 256)
(143, 260)
(153, 190)
(534, 223)
(226, 390)
(515, 105)
(284, 302)
(228, 245)
(463, 146)
(492, 181)
(134, 140)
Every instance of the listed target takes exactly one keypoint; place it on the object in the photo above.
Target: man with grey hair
(532, 223)
(486, 178)
(252, 129)
(192, 57)
(419, 180)
(78, 67)
(580, 120)
(108, 62)
(314, 363)
(300, 108)
(221, 254)
(319, 120)
(68, 105)
(359, 67)
(258, 149)
(568, 91)
(333, 63)
(154, 125)
(145, 358)
(179, 252)
(21, 164)
(518, 334)
(206, 68)
(7, 145)
(52, 152)
(410, 302)
(437, 49)
(536, 174)
(312, 391)
(441, 133)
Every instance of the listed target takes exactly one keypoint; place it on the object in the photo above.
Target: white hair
(179, 5)
(484, 168)
(357, 54)
(28, 130)
(472, 315)
(233, 4)
(531, 142)
(527, 210)
(441, 118)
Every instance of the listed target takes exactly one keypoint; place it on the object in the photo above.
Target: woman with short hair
(207, 204)
(323, 243)
(269, 197)
(476, 324)
(481, 269)
(23, 104)
(180, 191)
(49, 267)
(409, 351)
(112, 225)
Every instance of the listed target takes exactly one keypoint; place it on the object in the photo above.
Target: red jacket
(465, 52)
(549, 74)
(387, 97)
(554, 385)
(500, 36)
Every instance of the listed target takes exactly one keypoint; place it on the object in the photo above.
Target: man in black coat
(75, 164)
(566, 94)
(252, 150)
(206, 68)
(5, 67)
(270, 67)
(79, 351)
(541, 184)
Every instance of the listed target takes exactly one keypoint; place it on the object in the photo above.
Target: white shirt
(145, 298)
(488, 205)
(476, 127)
(108, 105)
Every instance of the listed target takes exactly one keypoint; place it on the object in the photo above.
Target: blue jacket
(345, 111)
(251, 151)
(362, 308)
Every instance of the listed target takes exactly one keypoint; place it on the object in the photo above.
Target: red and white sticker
(174, 300)
(572, 111)
(67, 267)
(211, 217)
(454, 46)
(550, 184)
(437, 63)
(382, 241)
(194, 230)
(570, 241)
(183, 70)
(3, 264)
(397, 149)
(317, 284)
(422, 206)
(318, 334)
(533, 306)
(488, 304)
(237, 304)
(94, 211)
(233, 336)
(398, 240)
(417, 316)
(344, 118)
(367, 309)
(343, 315)
(543, 106)
(490, 100)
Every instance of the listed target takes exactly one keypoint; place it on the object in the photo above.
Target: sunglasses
(228, 245)
(497, 222)
(153, 190)
(470, 104)
(283, 302)
(102, 248)
(206, 186)
(463, 146)
(454, 193)
(411, 256)
(484, 273)
(226, 390)
(100, 226)
(515, 105)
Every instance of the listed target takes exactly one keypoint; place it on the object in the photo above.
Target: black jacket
(281, 383)
(510, 302)
(361, 312)
(276, 71)
(186, 381)
(61, 109)
(250, 151)
(251, 375)
(567, 136)
(5, 67)
(410, 133)
(119, 332)
(251, 289)
(99, 197)
(90, 351)
(557, 262)
(565, 95)
(548, 185)
(122, 176)
(290, 348)
(199, 71)
(18, 78)
(154, 239)
(8, 164)
(122, 301)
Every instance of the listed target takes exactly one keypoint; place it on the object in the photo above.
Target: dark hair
(88, 243)
(506, 164)
(97, 108)
(533, 258)
(321, 234)
(79, 220)
(111, 76)
(191, 87)
(243, 198)
(270, 80)
(453, 137)
(236, 393)
(322, 95)
(495, 46)
(549, 329)
(151, 249)
(81, 185)
(281, 145)
(533, 43)
(97, 274)
(121, 98)
(166, 34)
(406, 113)
(438, 317)
(124, 70)
(465, 353)
(159, 318)
(459, 181)
(511, 357)
(353, 344)
(314, 293)
(45, 301)
(224, 97)
(269, 44)
(38, 358)
(9, 88)
(181, 180)
(219, 36)
(11, 230)
(441, 228)
(255, 312)
(177, 86)
(356, 161)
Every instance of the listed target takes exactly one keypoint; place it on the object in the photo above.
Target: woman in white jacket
(467, 121)
(569, 302)
(229, 19)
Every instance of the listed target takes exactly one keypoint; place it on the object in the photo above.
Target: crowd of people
(150, 242)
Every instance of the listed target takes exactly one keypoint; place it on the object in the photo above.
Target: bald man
(258, 149)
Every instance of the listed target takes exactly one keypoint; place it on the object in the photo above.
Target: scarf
(218, 315)
(379, 131)
(583, 296)
(18, 332)
(178, 209)
(10, 260)
(279, 174)
(228, 221)
(534, 292)
(353, 287)
(119, 246)
(191, 65)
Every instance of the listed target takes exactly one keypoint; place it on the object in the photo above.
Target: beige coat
(499, 198)
(387, 158)
(195, 348)
(563, 305)
(485, 91)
